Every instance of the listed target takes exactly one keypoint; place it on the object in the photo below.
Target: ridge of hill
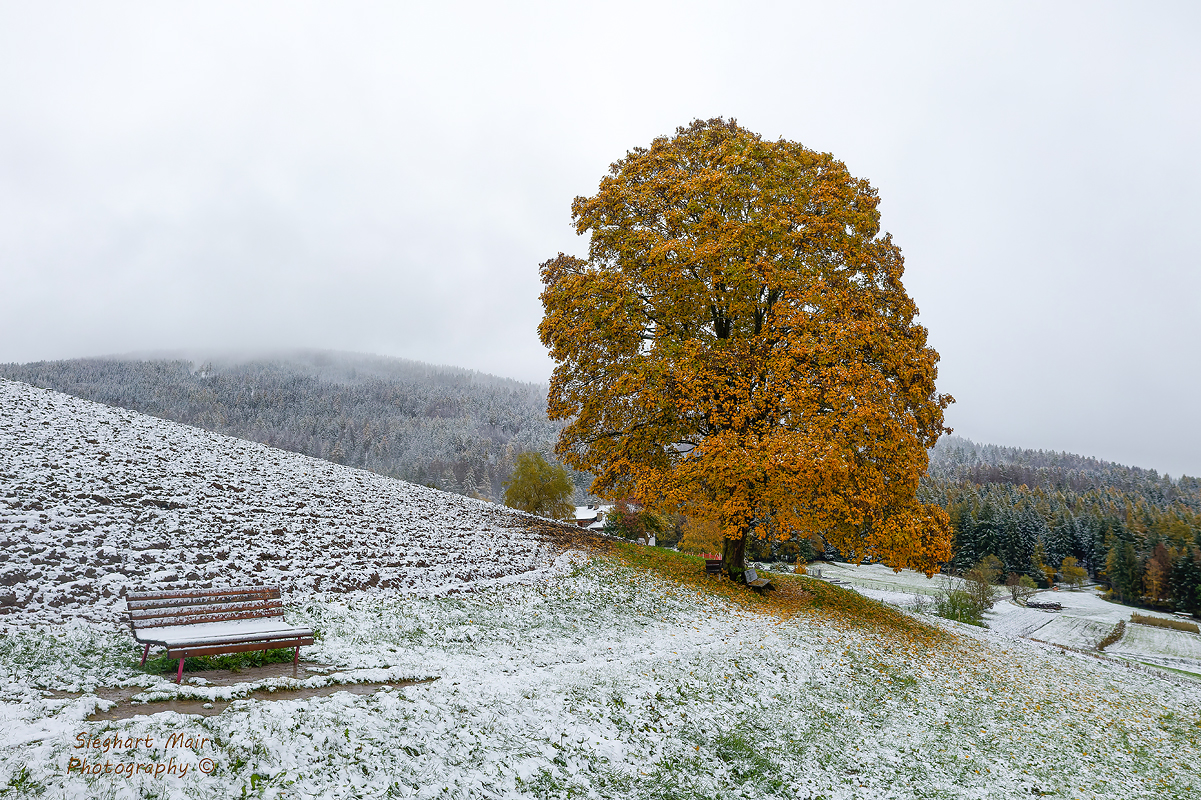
(449, 428)
(95, 500)
(456, 429)
(956, 459)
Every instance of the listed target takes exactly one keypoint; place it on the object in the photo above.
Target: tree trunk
(733, 557)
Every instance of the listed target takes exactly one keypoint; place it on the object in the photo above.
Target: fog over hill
(445, 427)
(456, 429)
(956, 459)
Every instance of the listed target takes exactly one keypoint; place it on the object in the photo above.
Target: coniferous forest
(461, 431)
(1136, 530)
(445, 427)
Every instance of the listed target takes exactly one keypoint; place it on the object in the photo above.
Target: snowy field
(1085, 620)
(95, 500)
(555, 674)
(602, 681)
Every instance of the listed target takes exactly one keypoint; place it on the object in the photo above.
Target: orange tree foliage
(739, 339)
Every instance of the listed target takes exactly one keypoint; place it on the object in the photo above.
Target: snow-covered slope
(95, 500)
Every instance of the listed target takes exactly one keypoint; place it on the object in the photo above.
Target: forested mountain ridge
(955, 458)
(446, 427)
(1133, 528)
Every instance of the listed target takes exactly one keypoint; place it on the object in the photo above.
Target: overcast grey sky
(386, 177)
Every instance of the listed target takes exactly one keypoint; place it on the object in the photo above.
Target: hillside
(619, 672)
(95, 500)
(460, 431)
(450, 428)
(955, 458)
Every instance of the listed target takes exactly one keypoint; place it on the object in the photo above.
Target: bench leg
(179, 675)
(145, 653)
(295, 659)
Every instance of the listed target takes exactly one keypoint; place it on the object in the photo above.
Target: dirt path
(125, 708)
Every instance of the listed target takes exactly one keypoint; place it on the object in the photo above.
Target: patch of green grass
(233, 662)
(746, 759)
(1172, 669)
(794, 593)
(21, 785)
(68, 654)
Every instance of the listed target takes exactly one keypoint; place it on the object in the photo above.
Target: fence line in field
(932, 591)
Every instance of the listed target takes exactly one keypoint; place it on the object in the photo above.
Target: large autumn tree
(739, 341)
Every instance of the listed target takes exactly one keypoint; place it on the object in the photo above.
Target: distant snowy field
(1085, 620)
(95, 500)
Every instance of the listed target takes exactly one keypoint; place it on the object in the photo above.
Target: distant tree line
(453, 429)
(1133, 529)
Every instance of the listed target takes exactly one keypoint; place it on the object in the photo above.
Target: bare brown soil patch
(125, 708)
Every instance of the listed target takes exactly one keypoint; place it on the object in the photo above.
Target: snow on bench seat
(205, 622)
(242, 630)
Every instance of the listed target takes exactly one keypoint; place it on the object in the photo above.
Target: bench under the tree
(753, 580)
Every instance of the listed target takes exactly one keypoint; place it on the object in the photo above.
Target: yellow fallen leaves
(795, 595)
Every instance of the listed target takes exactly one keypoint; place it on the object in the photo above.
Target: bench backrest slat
(190, 607)
(200, 594)
(751, 574)
(152, 618)
(139, 604)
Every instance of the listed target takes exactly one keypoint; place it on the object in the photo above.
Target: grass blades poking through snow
(234, 662)
(610, 681)
(67, 656)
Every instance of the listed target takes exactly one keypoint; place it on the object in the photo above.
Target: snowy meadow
(601, 679)
(594, 669)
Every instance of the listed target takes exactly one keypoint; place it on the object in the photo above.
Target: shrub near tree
(1021, 587)
(965, 599)
(739, 338)
(629, 520)
(539, 487)
(1072, 573)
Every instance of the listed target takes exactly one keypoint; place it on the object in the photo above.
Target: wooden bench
(753, 580)
(712, 563)
(206, 622)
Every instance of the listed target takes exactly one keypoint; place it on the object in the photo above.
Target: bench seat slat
(186, 651)
(220, 631)
(260, 642)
